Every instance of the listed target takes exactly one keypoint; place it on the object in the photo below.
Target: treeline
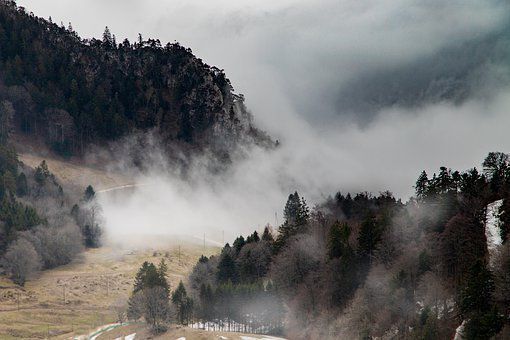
(367, 266)
(75, 92)
(39, 226)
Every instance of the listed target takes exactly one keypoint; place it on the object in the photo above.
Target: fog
(361, 95)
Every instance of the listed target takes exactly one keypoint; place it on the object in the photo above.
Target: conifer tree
(422, 185)
(504, 219)
(338, 239)
(89, 193)
(296, 215)
(267, 236)
(183, 303)
(370, 234)
(227, 269)
(21, 185)
(239, 243)
(477, 304)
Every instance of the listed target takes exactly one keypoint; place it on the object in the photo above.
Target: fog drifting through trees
(293, 61)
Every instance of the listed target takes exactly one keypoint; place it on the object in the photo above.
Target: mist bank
(360, 96)
(251, 192)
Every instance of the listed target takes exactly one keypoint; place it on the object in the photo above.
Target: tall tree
(183, 303)
(296, 215)
(227, 268)
(338, 239)
(477, 303)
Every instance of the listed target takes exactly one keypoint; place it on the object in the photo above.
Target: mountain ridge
(76, 92)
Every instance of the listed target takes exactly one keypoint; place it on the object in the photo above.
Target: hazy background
(362, 95)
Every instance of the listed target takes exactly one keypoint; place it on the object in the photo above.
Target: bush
(21, 261)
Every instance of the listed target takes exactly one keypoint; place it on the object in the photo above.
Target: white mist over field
(292, 60)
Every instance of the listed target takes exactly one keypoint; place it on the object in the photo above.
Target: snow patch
(459, 332)
(181, 338)
(130, 337)
(265, 337)
(492, 229)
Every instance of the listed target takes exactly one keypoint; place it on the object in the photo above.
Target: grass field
(76, 298)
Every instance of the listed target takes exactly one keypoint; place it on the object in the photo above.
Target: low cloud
(357, 93)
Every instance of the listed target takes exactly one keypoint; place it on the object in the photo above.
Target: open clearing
(78, 298)
(91, 285)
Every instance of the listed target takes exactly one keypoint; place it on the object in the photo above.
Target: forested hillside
(74, 92)
(364, 266)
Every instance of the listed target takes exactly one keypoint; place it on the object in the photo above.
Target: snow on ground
(182, 338)
(492, 230)
(264, 337)
(459, 332)
(231, 326)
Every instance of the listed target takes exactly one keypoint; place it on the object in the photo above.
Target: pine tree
(296, 215)
(183, 304)
(338, 239)
(495, 167)
(267, 235)
(444, 180)
(107, 38)
(163, 273)
(422, 185)
(227, 269)
(239, 243)
(477, 303)
(253, 237)
(89, 193)
(504, 219)
(41, 173)
(149, 276)
(370, 234)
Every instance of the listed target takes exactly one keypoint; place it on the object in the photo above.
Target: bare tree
(153, 304)
(253, 260)
(120, 309)
(90, 220)
(21, 261)
(56, 246)
(299, 259)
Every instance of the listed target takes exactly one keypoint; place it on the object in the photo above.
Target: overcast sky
(309, 68)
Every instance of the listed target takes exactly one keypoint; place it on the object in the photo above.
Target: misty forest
(360, 189)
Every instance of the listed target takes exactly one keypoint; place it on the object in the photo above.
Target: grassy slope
(93, 283)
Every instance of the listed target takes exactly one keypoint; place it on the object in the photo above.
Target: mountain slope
(75, 92)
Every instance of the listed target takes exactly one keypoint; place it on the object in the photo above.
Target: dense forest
(367, 266)
(75, 92)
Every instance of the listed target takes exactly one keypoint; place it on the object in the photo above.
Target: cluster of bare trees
(55, 233)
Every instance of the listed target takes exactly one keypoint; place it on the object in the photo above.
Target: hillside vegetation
(96, 284)
(365, 266)
(75, 92)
